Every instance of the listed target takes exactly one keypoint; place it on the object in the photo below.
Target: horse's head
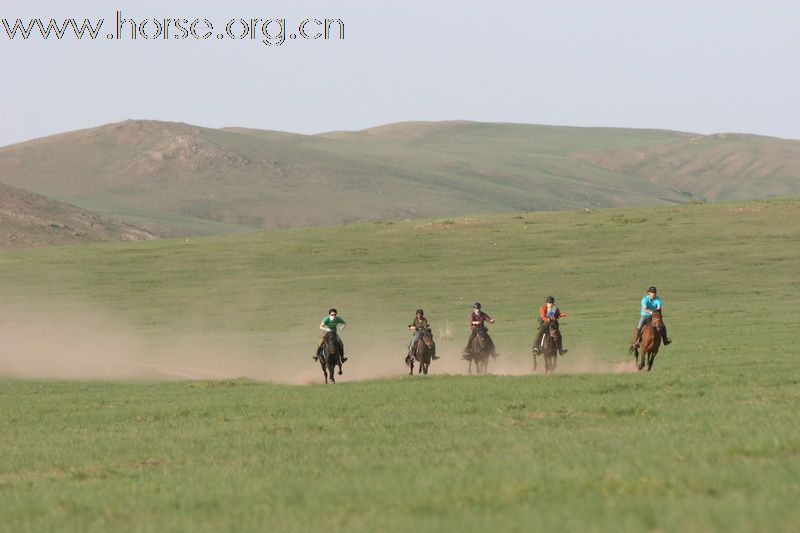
(329, 337)
(427, 337)
(655, 319)
(480, 334)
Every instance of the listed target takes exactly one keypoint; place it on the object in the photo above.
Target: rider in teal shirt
(651, 302)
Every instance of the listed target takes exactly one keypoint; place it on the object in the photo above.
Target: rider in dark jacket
(476, 320)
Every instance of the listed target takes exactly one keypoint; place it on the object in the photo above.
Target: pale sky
(702, 66)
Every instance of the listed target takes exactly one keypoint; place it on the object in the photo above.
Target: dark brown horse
(330, 356)
(479, 350)
(423, 352)
(549, 348)
(645, 352)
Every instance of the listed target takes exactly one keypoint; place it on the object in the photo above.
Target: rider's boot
(344, 358)
(537, 345)
(434, 356)
(316, 355)
(561, 350)
(637, 336)
(663, 331)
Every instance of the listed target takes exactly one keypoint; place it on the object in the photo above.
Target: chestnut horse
(645, 352)
(423, 352)
(330, 356)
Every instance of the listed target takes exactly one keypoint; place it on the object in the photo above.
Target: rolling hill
(28, 219)
(175, 179)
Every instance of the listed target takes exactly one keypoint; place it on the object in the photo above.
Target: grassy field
(708, 441)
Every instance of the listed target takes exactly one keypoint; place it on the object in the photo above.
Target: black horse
(330, 355)
(423, 352)
(479, 350)
(549, 348)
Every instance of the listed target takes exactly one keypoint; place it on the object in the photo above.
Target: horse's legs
(323, 361)
(650, 359)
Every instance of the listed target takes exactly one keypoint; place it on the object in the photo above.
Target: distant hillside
(28, 219)
(174, 178)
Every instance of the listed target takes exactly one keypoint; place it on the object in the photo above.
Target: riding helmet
(420, 312)
(651, 289)
(477, 305)
(333, 310)
(550, 300)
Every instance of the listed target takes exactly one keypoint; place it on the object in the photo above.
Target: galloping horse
(330, 356)
(645, 353)
(423, 352)
(480, 350)
(549, 347)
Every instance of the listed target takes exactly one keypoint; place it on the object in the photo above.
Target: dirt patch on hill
(28, 219)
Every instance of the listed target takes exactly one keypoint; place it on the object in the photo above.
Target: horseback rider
(419, 325)
(651, 302)
(548, 313)
(476, 321)
(329, 324)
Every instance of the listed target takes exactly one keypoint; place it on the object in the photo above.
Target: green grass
(707, 441)
(704, 449)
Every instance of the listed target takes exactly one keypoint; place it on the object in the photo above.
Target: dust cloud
(78, 342)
